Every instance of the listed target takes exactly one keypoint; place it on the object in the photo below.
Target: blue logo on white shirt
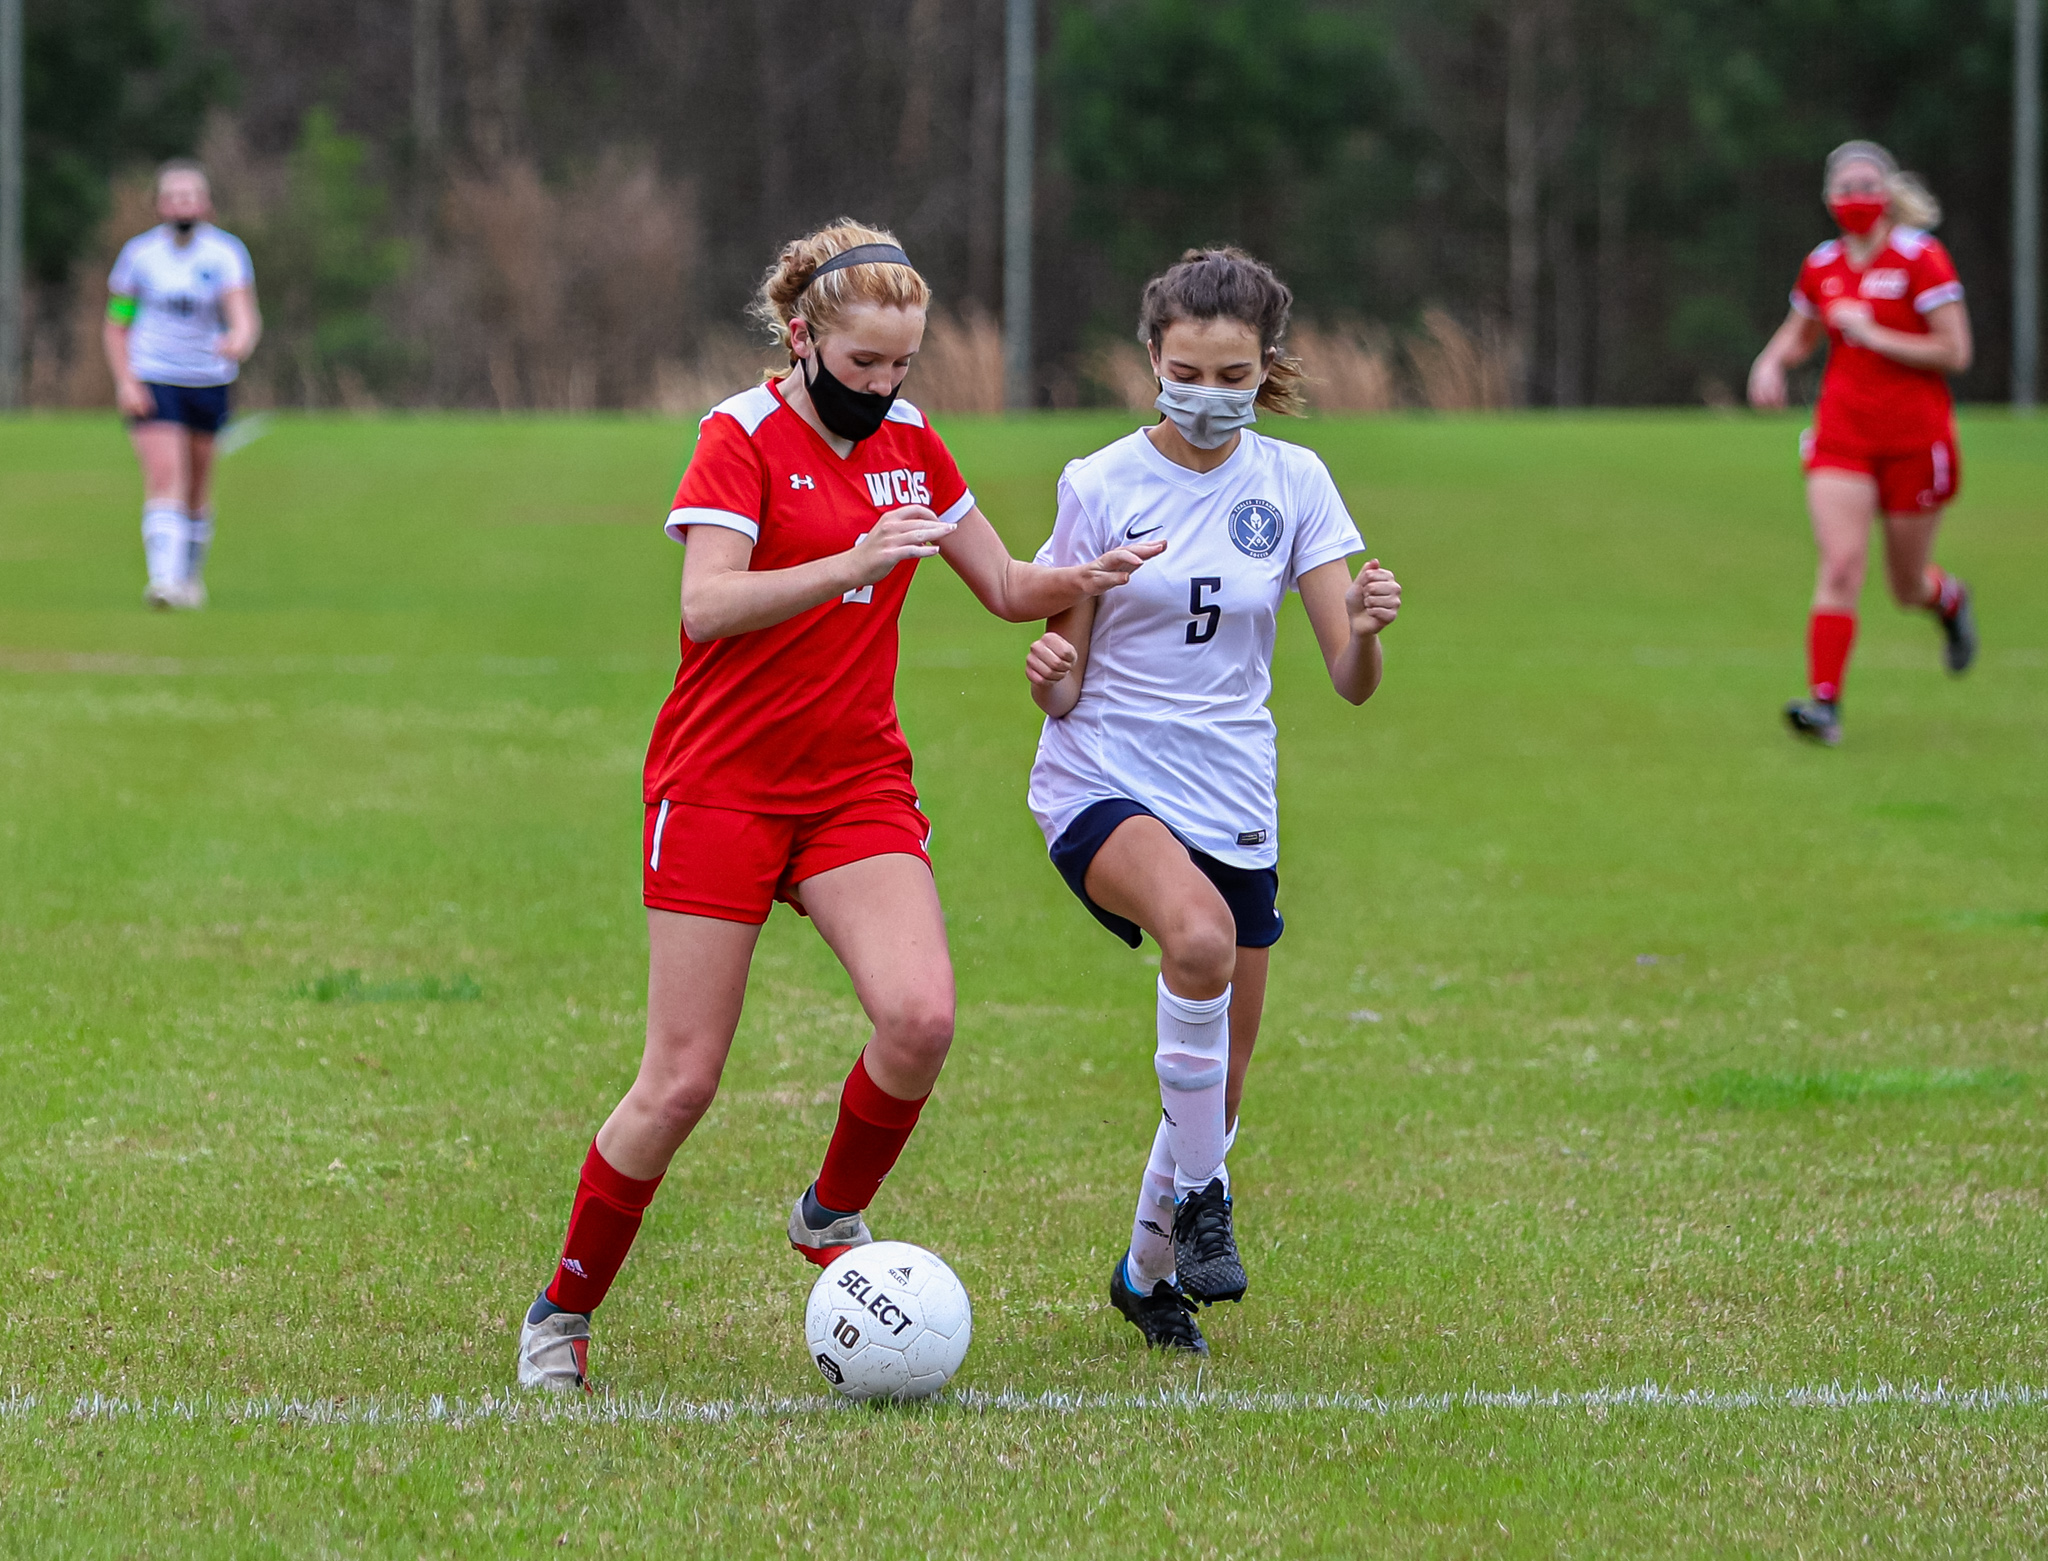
(1256, 528)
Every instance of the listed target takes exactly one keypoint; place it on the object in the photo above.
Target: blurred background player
(1156, 773)
(778, 769)
(181, 319)
(1883, 440)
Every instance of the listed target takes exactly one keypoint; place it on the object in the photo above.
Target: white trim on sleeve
(1935, 297)
(680, 520)
(957, 510)
(1800, 305)
(1328, 553)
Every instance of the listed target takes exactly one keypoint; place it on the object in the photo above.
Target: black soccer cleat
(1815, 719)
(1204, 1249)
(1959, 633)
(1165, 1317)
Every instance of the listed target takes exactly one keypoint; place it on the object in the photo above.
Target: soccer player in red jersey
(778, 770)
(1883, 440)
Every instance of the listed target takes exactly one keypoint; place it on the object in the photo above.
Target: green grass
(1615, 1039)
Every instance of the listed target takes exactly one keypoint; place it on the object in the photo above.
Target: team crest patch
(1256, 528)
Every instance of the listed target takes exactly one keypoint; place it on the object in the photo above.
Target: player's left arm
(1348, 614)
(1018, 592)
(244, 323)
(1946, 348)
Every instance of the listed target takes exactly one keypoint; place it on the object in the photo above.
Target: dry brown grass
(1122, 369)
(1350, 367)
(572, 292)
(960, 367)
(726, 362)
(1357, 366)
(1459, 370)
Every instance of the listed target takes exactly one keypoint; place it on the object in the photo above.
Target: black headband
(863, 255)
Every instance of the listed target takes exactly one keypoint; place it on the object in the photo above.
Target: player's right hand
(134, 399)
(1767, 385)
(913, 531)
(1116, 567)
(1049, 660)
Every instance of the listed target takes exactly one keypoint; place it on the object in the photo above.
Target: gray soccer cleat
(820, 1244)
(1205, 1248)
(554, 1353)
(1815, 719)
(1959, 633)
(1165, 1317)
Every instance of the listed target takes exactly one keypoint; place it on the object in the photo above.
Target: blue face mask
(1207, 416)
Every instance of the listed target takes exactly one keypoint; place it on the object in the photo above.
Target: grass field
(1615, 1040)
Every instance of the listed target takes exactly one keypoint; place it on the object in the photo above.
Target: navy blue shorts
(1248, 891)
(201, 408)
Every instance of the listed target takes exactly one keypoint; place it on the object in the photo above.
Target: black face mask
(849, 413)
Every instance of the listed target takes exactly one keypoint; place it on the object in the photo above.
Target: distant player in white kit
(1155, 778)
(181, 320)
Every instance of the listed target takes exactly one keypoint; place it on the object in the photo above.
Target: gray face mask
(1207, 416)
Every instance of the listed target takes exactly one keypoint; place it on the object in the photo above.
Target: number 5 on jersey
(1204, 615)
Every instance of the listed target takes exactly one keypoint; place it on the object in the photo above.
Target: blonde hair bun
(792, 286)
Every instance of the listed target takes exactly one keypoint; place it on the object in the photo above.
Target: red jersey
(1864, 394)
(797, 717)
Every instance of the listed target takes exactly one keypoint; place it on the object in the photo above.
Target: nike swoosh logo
(1132, 536)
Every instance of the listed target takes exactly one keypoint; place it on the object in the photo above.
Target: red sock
(602, 1225)
(1944, 591)
(873, 1128)
(1828, 638)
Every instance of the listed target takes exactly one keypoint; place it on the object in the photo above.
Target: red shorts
(717, 862)
(1920, 476)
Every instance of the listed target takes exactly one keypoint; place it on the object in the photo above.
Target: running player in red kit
(1883, 441)
(778, 770)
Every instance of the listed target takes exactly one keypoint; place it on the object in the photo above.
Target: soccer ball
(888, 1320)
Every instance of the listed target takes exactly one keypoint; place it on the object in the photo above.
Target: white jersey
(1172, 711)
(177, 289)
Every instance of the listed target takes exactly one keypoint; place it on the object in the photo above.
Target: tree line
(536, 202)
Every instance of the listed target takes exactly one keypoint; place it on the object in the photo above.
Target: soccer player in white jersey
(1155, 777)
(181, 320)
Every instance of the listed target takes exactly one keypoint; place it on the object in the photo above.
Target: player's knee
(917, 1028)
(1202, 949)
(678, 1102)
(1840, 578)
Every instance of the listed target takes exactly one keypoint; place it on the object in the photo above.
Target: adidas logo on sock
(574, 1267)
(1152, 1227)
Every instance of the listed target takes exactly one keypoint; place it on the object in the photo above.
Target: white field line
(639, 1409)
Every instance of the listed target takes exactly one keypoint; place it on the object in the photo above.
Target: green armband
(121, 310)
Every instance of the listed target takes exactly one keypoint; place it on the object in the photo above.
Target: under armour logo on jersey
(1256, 528)
(897, 487)
(801, 482)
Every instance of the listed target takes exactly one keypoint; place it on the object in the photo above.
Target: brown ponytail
(1228, 284)
(787, 290)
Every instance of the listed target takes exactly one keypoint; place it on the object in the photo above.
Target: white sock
(197, 541)
(166, 541)
(1152, 1226)
(1193, 1062)
(1223, 1165)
